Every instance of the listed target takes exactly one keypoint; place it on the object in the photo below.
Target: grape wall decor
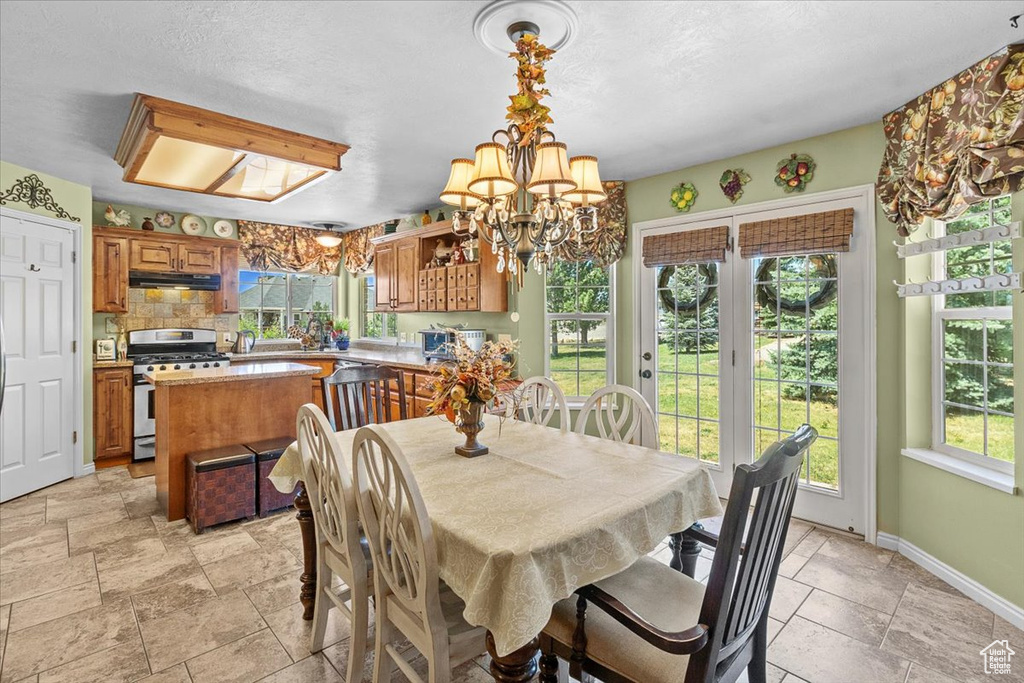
(794, 173)
(732, 182)
(683, 197)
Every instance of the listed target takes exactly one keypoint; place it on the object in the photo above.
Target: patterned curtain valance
(607, 244)
(359, 248)
(286, 248)
(688, 246)
(809, 233)
(957, 144)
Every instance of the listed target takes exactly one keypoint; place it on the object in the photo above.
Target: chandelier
(522, 192)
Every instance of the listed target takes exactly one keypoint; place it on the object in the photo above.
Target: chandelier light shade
(456, 192)
(588, 182)
(491, 175)
(551, 175)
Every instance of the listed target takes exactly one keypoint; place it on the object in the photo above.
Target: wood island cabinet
(112, 412)
(110, 274)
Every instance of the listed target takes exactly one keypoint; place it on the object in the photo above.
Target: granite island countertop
(235, 373)
(406, 358)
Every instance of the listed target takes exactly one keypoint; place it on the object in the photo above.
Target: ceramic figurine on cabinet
(425, 218)
(147, 224)
(120, 218)
(458, 257)
(440, 216)
(442, 254)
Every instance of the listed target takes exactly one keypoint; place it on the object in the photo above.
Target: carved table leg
(685, 552)
(304, 513)
(516, 667)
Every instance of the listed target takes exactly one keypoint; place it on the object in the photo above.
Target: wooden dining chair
(540, 399)
(654, 623)
(621, 414)
(341, 549)
(363, 394)
(411, 601)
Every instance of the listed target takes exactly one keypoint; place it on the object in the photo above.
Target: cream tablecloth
(542, 514)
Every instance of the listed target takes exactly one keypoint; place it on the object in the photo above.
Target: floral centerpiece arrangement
(467, 384)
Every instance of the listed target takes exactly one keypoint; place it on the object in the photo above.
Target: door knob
(647, 355)
(34, 268)
(646, 374)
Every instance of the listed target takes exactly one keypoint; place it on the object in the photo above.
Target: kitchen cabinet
(110, 274)
(200, 259)
(112, 412)
(383, 274)
(226, 300)
(151, 255)
(395, 270)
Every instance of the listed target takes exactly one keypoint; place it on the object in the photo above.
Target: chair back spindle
(541, 400)
(620, 414)
(361, 395)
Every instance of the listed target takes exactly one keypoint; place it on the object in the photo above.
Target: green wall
(76, 200)
(139, 212)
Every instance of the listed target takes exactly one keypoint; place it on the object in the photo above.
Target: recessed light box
(177, 146)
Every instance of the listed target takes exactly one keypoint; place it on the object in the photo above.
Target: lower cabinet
(112, 412)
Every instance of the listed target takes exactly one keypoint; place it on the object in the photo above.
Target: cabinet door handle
(122, 302)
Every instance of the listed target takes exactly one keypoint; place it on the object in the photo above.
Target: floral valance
(359, 248)
(607, 244)
(957, 144)
(286, 248)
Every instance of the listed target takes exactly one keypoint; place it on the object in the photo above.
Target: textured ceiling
(647, 86)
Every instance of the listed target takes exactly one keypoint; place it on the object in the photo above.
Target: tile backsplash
(148, 308)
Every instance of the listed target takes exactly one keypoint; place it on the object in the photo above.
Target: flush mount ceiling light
(181, 147)
(330, 235)
(522, 192)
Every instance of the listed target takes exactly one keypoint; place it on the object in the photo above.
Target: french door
(736, 355)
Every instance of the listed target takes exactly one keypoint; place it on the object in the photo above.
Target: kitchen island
(200, 409)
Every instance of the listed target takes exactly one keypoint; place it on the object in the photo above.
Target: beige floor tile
(243, 661)
(134, 577)
(249, 569)
(276, 593)
(790, 678)
(97, 519)
(87, 540)
(55, 605)
(126, 551)
(849, 618)
(873, 588)
(224, 547)
(1004, 630)
(787, 598)
(172, 597)
(67, 639)
(273, 531)
(27, 521)
(820, 655)
(190, 632)
(20, 507)
(83, 486)
(122, 484)
(774, 626)
(119, 664)
(175, 674)
(774, 675)
(179, 533)
(32, 546)
(22, 539)
(791, 565)
(141, 502)
(315, 669)
(5, 618)
(919, 674)
(47, 578)
(68, 508)
(934, 604)
(810, 543)
(906, 569)
(338, 655)
(293, 631)
(856, 553)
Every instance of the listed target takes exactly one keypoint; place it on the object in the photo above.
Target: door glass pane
(688, 360)
(796, 357)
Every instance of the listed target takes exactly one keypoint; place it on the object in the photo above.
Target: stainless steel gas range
(158, 350)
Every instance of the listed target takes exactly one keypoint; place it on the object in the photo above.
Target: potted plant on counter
(339, 333)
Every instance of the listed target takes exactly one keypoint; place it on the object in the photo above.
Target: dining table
(542, 514)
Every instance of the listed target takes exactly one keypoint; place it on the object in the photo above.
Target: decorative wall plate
(794, 173)
(192, 225)
(732, 182)
(683, 196)
(164, 219)
(222, 228)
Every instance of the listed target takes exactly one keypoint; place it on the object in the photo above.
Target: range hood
(144, 280)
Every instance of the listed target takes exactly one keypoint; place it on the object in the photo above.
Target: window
(972, 362)
(269, 303)
(374, 325)
(579, 327)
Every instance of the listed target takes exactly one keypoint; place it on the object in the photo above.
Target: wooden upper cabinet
(154, 255)
(406, 274)
(112, 412)
(384, 268)
(110, 274)
(201, 259)
(226, 300)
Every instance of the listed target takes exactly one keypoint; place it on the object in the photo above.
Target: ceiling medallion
(522, 192)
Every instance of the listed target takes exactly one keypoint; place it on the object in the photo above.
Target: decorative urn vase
(469, 421)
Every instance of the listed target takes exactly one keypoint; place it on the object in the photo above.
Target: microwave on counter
(435, 342)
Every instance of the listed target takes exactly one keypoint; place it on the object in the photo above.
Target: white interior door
(37, 277)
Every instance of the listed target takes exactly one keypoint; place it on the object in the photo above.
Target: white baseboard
(87, 469)
(963, 583)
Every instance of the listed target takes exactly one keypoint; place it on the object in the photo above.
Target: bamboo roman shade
(689, 246)
(806, 234)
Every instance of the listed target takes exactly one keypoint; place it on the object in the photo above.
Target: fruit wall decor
(732, 182)
(683, 196)
(794, 173)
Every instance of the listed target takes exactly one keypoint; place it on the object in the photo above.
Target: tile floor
(96, 586)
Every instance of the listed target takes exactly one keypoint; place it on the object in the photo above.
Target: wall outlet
(227, 337)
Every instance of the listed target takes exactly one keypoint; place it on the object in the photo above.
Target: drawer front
(451, 276)
(421, 299)
(452, 299)
(424, 278)
(472, 274)
(461, 299)
(472, 302)
(460, 276)
(431, 301)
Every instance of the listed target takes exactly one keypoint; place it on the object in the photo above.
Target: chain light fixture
(522, 192)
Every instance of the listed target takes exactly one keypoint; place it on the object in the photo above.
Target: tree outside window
(579, 326)
(270, 302)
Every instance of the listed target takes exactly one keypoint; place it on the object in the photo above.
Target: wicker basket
(221, 485)
(267, 453)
